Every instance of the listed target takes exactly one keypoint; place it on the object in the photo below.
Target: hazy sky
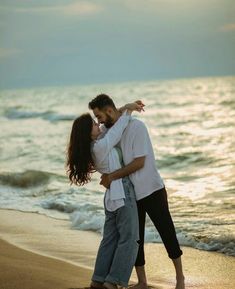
(63, 42)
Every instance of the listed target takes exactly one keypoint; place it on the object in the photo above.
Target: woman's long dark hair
(80, 165)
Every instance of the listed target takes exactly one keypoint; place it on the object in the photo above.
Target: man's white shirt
(135, 142)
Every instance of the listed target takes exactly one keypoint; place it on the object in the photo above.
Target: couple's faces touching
(95, 130)
(104, 116)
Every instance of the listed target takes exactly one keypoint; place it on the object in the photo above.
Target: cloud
(228, 27)
(76, 8)
(7, 53)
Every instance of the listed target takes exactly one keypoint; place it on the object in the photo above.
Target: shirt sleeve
(140, 140)
(104, 145)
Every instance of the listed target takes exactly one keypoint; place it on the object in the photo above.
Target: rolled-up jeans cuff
(115, 281)
(175, 256)
(96, 278)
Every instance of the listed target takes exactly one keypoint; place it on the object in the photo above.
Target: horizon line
(112, 82)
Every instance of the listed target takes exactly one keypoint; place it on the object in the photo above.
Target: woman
(89, 150)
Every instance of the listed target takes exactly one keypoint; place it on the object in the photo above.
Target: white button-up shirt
(135, 142)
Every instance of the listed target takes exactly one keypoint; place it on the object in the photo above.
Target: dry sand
(38, 252)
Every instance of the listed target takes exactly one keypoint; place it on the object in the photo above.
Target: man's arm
(135, 165)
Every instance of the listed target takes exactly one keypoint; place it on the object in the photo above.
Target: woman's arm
(103, 146)
(138, 105)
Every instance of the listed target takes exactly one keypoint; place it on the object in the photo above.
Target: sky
(70, 42)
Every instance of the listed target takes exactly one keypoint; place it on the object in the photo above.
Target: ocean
(191, 123)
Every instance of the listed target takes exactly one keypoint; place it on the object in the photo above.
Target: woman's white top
(106, 160)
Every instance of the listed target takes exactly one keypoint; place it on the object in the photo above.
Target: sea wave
(222, 244)
(87, 220)
(88, 216)
(172, 124)
(52, 116)
(61, 205)
(25, 179)
(184, 158)
(83, 216)
(229, 103)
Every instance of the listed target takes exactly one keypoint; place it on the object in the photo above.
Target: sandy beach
(38, 252)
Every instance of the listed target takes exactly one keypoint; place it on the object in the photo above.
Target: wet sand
(38, 252)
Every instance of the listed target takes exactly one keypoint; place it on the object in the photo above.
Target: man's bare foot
(180, 283)
(110, 285)
(97, 285)
(139, 286)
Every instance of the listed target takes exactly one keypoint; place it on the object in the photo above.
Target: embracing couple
(118, 146)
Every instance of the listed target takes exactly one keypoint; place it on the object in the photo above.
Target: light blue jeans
(118, 249)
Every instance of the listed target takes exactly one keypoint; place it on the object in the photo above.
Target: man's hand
(105, 181)
(135, 165)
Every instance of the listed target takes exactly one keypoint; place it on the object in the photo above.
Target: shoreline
(29, 238)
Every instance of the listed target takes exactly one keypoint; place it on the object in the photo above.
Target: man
(149, 187)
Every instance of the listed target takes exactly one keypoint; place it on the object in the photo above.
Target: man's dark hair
(101, 101)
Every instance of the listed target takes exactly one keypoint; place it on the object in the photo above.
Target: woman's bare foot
(97, 285)
(180, 283)
(110, 285)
